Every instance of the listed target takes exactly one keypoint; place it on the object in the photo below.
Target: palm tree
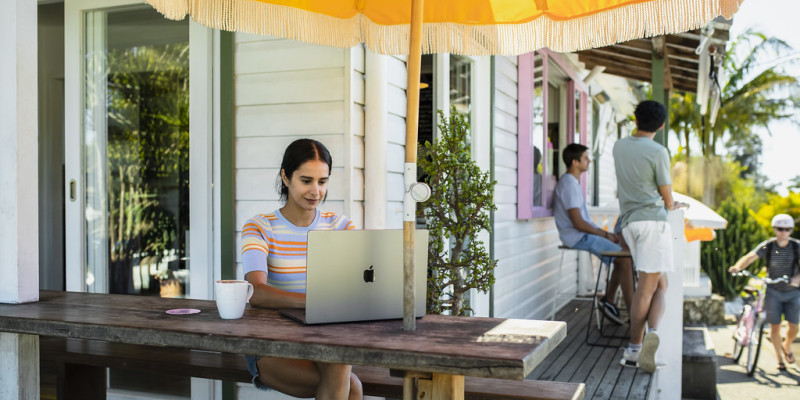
(751, 96)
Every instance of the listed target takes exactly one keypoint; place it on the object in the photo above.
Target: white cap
(783, 221)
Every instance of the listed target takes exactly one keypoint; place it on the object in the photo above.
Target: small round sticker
(183, 311)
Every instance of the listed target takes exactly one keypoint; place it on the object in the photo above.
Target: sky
(775, 18)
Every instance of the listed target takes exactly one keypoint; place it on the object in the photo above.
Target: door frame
(203, 250)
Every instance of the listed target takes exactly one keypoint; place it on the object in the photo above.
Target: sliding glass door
(136, 151)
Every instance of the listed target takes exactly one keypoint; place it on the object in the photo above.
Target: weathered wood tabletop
(486, 347)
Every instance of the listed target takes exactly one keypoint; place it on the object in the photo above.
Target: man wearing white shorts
(644, 189)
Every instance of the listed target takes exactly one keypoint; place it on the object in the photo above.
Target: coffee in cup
(232, 297)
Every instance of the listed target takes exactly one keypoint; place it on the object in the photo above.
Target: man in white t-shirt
(576, 230)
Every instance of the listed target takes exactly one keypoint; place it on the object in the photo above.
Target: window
(552, 107)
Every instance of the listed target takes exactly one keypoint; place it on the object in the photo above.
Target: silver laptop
(357, 275)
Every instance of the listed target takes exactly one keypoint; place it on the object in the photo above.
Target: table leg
(435, 387)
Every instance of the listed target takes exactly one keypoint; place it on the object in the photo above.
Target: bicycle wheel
(738, 349)
(740, 330)
(754, 350)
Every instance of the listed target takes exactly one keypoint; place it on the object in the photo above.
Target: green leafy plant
(777, 204)
(742, 234)
(461, 197)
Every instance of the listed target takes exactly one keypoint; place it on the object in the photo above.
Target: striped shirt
(780, 262)
(272, 244)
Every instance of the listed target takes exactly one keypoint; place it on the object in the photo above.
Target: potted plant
(458, 210)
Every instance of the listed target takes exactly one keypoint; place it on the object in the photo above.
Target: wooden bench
(80, 360)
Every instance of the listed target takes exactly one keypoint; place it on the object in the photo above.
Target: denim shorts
(596, 244)
(253, 368)
(779, 303)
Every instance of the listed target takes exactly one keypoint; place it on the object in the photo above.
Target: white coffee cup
(232, 297)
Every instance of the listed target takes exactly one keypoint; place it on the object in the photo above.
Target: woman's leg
(775, 338)
(790, 335)
(301, 378)
(792, 317)
(774, 308)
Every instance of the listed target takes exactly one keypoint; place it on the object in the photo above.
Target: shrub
(742, 235)
(461, 196)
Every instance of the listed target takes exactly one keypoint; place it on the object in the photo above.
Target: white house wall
(527, 250)
(395, 135)
(286, 90)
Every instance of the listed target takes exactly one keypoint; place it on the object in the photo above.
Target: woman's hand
(265, 296)
(733, 270)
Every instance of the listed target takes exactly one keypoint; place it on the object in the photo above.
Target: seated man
(577, 231)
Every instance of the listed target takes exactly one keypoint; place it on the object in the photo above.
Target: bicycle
(753, 315)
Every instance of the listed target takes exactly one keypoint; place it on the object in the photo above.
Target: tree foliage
(741, 236)
(751, 98)
(147, 165)
(722, 174)
(456, 213)
(754, 91)
(777, 204)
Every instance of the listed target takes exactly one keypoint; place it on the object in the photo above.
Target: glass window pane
(136, 130)
(461, 84)
(552, 154)
(576, 138)
(537, 128)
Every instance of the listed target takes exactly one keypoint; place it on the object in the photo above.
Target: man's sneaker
(647, 357)
(630, 358)
(610, 310)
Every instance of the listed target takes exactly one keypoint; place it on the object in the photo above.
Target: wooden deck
(598, 367)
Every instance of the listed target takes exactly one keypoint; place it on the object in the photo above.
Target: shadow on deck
(598, 367)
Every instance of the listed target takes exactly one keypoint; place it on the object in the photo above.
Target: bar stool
(606, 257)
(564, 250)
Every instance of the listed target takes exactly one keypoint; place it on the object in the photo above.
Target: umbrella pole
(410, 174)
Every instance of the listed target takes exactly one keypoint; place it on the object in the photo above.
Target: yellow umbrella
(476, 27)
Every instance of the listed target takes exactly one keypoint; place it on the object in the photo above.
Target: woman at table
(274, 261)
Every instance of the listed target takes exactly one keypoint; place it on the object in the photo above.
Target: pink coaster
(183, 311)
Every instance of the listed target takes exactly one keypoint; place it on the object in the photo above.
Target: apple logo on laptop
(369, 274)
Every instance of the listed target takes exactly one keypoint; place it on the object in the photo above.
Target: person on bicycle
(781, 254)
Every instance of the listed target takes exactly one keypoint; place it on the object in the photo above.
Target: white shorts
(651, 245)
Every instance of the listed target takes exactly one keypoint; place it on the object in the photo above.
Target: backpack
(795, 247)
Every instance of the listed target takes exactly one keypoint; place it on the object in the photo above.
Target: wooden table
(448, 347)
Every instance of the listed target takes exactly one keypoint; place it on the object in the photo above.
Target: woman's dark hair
(573, 152)
(300, 151)
(650, 115)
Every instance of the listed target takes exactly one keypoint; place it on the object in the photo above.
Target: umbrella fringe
(631, 20)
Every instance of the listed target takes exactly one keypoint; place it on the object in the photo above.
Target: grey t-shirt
(780, 262)
(642, 166)
(568, 194)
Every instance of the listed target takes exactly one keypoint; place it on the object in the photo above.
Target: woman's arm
(266, 296)
(743, 262)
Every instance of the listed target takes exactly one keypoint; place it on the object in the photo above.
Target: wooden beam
(682, 53)
(667, 72)
(659, 45)
(632, 64)
(680, 81)
(624, 55)
(679, 41)
(641, 44)
(659, 74)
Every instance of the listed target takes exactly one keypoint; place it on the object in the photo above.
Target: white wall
(285, 90)
(527, 250)
(395, 134)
